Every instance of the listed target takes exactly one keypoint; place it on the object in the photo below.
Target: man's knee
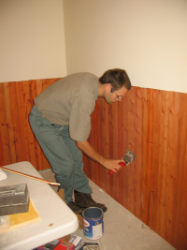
(64, 174)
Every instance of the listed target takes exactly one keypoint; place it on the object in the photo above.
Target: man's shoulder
(82, 80)
(82, 75)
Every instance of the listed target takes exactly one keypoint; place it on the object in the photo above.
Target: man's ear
(108, 87)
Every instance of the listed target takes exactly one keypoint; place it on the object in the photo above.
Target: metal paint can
(93, 223)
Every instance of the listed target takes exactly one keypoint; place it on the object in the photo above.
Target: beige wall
(32, 44)
(146, 37)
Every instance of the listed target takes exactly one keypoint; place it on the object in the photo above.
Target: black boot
(75, 208)
(85, 200)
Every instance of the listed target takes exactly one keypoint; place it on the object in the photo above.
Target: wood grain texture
(17, 142)
(151, 123)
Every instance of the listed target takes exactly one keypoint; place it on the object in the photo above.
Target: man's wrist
(102, 161)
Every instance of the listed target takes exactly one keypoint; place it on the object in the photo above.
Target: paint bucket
(93, 223)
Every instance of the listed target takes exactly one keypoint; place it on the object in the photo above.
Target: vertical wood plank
(161, 167)
(137, 150)
(179, 218)
(113, 145)
(123, 145)
(145, 171)
(174, 106)
(105, 142)
(134, 169)
(5, 151)
(95, 138)
(31, 138)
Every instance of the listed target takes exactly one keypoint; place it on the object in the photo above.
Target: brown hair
(117, 77)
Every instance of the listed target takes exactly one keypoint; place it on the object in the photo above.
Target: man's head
(117, 78)
(117, 84)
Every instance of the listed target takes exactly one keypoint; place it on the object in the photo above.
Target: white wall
(32, 44)
(148, 38)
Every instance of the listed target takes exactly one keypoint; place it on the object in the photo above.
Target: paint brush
(128, 158)
(31, 176)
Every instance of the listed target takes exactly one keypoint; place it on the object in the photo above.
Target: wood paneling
(153, 125)
(150, 123)
(17, 142)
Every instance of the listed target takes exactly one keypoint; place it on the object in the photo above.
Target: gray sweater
(70, 101)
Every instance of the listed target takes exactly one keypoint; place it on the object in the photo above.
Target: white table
(57, 220)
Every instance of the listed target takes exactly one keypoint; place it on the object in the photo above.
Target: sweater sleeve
(80, 120)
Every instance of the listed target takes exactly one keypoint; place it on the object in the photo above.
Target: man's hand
(110, 164)
(113, 165)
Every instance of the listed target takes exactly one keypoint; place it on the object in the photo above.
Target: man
(60, 120)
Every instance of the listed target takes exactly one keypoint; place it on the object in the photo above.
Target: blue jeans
(62, 153)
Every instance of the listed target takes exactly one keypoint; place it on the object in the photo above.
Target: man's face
(115, 95)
